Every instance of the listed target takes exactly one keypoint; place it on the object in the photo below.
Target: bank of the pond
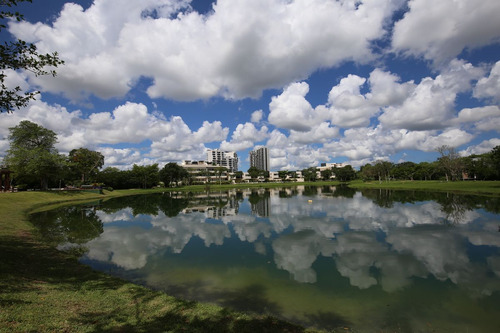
(466, 187)
(45, 290)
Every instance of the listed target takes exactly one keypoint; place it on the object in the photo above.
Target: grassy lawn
(45, 290)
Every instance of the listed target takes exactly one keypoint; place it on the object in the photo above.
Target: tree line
(37, 164)
(450, 166)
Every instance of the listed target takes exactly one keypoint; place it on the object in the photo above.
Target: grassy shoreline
(45, 290)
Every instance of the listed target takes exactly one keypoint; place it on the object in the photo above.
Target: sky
(315, 81)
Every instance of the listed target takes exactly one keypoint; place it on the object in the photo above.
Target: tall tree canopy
(32, 153)
(450, 162)
(19, 55)
(145, 176)
(254, 172)
(173, 173)
(85, 162)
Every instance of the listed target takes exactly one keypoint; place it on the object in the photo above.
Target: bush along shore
(46, 290)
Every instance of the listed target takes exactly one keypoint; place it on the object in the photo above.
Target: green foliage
(383, 170)
(173, 173)
(367, 172)
(254, 172)
(450, 162)
(85, 162)
(345, 173)
(405, 170)
(283, 174)
(32, 154)
(19, 55)
(115, 178)
(326, 174)
(449, 166)
(426, 171)
(75, 224)
(145, 176)
(309, 174)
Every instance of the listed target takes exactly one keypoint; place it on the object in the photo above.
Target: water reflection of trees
(343, 191)
(75, 225)
(453, 205)
(370, 246)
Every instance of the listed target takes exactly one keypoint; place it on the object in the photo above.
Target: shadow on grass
(25, 262)
(27, 265)
(251, 298)
(182, 319)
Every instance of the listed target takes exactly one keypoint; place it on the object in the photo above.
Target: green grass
(45, 290)
(468, 187)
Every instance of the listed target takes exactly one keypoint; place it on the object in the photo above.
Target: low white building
(203, 172)
(326, 166)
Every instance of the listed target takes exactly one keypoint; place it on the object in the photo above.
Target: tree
(145, 176)
(173, 173)
(238, 175)
(254, 172)
(220, 171)
(426, 170)
(283, 174)
(450, 162)
(383, 170)
(495, 158)
(309, 174)
(367, 172)
(18, 55)
(404, 170)
(326, 174)
(115, 178)
(345, 174)
(85, 162)
(32, 153)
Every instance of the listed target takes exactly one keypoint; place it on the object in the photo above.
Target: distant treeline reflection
(80, 224)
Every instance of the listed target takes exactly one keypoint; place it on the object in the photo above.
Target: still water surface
(320, 256)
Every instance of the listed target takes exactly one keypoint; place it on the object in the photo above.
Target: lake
(328, 257)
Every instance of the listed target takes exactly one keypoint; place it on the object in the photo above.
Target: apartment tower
(227, 159)
(259, 158)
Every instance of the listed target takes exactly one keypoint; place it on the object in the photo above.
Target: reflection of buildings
(262, 208)
(260, 203)
(213, 205)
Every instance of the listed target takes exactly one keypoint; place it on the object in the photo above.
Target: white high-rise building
(227, 159)
(259, 158)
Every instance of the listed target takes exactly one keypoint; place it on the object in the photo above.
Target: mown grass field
(45, 290)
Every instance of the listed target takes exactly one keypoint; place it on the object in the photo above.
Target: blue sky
(158, 81)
